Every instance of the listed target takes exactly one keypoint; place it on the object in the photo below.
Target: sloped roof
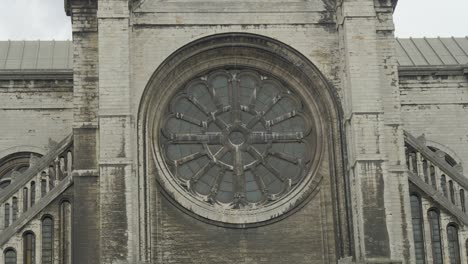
(36, 55)
(50, 55)
(432, 51)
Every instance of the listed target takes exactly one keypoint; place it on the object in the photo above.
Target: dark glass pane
(14, 209)
(417, 229)
(10, 256)
(33, 193)
(462, 200)
(452, 192)
(454, 251)
(29, 248)
(7, 215)
(43, 188)
(25, 199)
(426, 175)
(443, 185)
(435, 237)
(433, 177)
(47, 240)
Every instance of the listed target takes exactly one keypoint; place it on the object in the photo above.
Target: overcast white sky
(45, 19)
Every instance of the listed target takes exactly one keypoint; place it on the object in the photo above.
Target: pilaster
(85, 126)
(379, 187)
(116, 168)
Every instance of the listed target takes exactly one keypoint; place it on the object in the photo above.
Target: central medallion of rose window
(237, 139)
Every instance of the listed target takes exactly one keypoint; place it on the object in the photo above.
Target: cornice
(51, 74)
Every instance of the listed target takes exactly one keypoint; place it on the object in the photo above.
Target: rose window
(237, 139)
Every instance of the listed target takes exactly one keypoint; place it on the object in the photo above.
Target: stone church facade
(261, 131)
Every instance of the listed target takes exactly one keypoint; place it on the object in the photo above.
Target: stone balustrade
(441, 179)
(35, 184)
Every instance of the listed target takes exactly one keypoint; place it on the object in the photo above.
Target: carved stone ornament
(236, 140)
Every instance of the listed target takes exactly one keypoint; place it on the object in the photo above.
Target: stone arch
(284, 63)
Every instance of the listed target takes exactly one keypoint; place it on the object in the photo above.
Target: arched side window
(47, 240)
(7, 215)
(65, 230)
(25, 199)
(425, 168)
(433, 177)
(14, 165)
(29, 248)
(33, 193)
(14, 209)
(452, 237)
(43, 187)
(443, 185)
(436, 243)
(462, 200)
(416, 217)
(10, 256)
(452, 192)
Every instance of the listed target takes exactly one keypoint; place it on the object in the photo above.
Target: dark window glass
(435, 237)
(454, 250)
(433, 177)
(29, 248)
(462, 200)
(443, 185)
(7, 215)
(47, 240)
(452, 192)
(417, 229)
(43, 188)
(10, 256)
(25, 199)
(33, 193)
(14, 209)
(425, 168)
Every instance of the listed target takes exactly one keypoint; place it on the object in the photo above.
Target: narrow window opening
(7, 215)
(33, 193)
(29, 248)
(435, 236)
(454, 251)
(416, 216)
(10, 256)
(47, 240)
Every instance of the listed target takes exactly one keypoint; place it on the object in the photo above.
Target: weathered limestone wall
(379, 187)
(159, 31)
(437, 106)
(35, 112)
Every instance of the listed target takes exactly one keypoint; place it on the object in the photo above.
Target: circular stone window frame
(243, 51)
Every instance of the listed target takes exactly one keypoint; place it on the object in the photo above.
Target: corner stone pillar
(117, 200)
(85, 244)
(376, 167)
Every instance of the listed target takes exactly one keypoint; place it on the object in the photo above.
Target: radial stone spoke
(188, 158)
(265, 137)
(200, 173)
(261, 114)
(217, 183)
(187, 138)
(281, 118)
(260, 182)
(189, 119)
(275, 172)
(216, 100)
(286, 157)
(253, 99)
(234, 97)
(238, 172)
(195, 102)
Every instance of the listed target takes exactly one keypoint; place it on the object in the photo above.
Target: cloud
(33, 19)
(431, 18)
(46, 19)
